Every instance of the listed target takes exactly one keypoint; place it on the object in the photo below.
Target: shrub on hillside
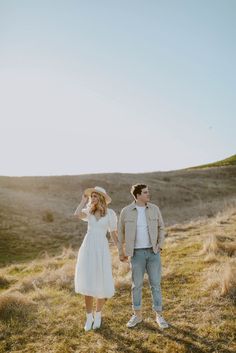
(48, 216)
(4, 283)
(228, 283)
(15, 305)
(213, 245)
(62, 278)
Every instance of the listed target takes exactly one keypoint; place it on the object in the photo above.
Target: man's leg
(154, 275)
(138, 264)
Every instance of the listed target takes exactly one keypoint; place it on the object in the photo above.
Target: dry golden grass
(220, 280)
(219, 249)
(15, 306)
(214, 245)
(229, 281)
(4, 282)
(40, 313)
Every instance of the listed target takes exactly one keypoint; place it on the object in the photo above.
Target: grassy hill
(36, 212)
(39, 242)
(224, 162)
(39, 311)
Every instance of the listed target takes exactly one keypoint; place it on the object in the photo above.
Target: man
(141, 228)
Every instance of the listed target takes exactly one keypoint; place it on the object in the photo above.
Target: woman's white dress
(93, 272)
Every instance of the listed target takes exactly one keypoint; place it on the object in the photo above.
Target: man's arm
(161, 230)
(121, 235)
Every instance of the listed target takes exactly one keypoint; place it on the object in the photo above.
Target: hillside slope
(36, 212)
(224, 162)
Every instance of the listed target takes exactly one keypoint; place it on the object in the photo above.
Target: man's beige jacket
(128, 223)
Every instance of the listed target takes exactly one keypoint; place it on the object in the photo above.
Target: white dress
(93, 272)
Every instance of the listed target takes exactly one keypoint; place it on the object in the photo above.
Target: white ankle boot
(89, 322)
(97, 319)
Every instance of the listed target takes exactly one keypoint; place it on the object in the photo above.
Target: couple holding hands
(139, 235)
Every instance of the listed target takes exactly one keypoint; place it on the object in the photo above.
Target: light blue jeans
(141, 261)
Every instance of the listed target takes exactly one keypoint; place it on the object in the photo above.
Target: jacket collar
(133, 205)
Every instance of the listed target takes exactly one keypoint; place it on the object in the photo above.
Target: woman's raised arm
(81, 205)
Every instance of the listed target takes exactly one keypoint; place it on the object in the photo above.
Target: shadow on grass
(187, 338)
(124, 343)
(190, 339)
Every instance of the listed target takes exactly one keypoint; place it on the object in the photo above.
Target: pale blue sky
(116, 86)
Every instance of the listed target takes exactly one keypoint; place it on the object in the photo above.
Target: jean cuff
(137, 307)
(157, 308)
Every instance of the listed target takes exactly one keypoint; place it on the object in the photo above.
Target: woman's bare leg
(98, 313)
(99, 304)
(88, 303)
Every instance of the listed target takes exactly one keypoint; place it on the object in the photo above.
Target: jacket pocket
(130, 218)
(153, 220)
(153, 215)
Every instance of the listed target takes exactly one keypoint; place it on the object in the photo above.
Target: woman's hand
(123, 258)
(84, 199)
(114, 237)
(81, 205)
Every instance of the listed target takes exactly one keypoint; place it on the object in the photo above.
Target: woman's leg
(98, 313)
(99, 304)
(89, 312)
(89, 303)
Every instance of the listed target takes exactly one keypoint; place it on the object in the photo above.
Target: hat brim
(89, 191)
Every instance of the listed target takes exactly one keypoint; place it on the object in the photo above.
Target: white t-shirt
(142, 239)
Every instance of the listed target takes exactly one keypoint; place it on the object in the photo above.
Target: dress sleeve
(86, 212)
(112, 220)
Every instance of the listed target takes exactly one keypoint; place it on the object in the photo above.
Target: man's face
(145, 196)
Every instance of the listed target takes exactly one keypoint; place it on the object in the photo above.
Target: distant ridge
(36, 213)
(223, 163)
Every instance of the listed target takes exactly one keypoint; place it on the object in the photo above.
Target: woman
(93, 272)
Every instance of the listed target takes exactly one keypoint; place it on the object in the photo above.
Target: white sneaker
(89, 322)
(134, 321)
(161, 321)
(97, 319)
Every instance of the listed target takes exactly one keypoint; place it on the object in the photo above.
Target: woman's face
(94, 198)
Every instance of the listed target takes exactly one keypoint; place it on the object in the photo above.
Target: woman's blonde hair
(101, 206)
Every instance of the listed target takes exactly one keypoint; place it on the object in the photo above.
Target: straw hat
(100, 190)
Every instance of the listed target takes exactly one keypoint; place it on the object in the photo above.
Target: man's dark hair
(137, 189)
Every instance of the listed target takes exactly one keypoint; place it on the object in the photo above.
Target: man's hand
(123, 258)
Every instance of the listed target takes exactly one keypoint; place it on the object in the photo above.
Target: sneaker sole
(162, 327)
(130, 326)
